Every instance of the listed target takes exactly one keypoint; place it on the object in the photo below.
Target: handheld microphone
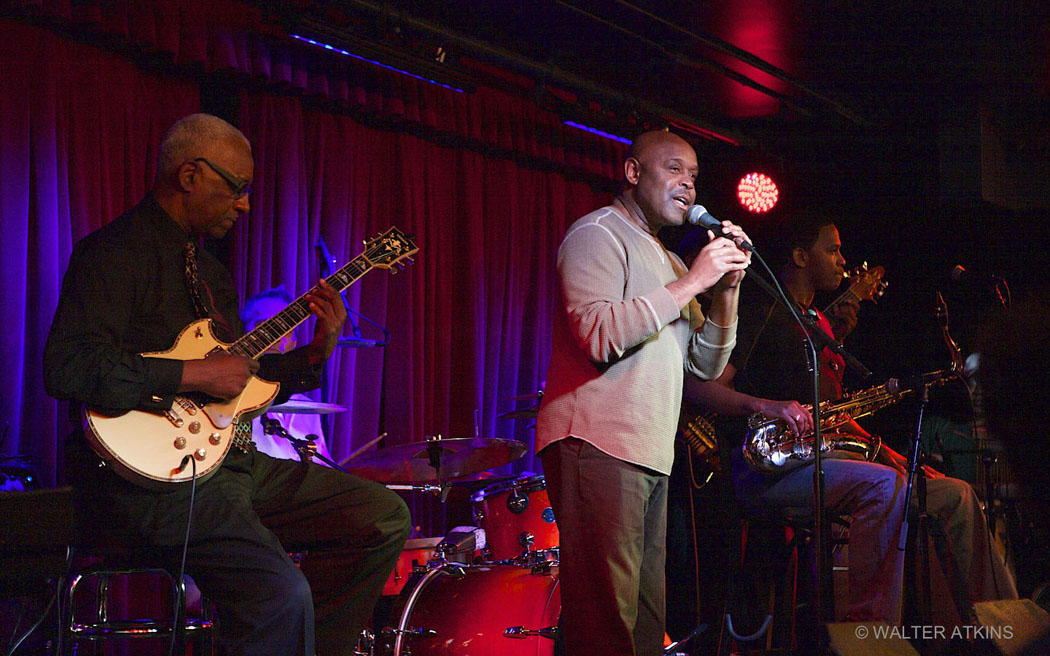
(698, 215)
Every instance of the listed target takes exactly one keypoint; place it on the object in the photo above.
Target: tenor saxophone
(771, 447)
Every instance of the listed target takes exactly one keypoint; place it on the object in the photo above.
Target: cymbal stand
(434, 451)
(916, 485)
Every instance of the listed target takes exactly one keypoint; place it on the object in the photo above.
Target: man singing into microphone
(626, 330)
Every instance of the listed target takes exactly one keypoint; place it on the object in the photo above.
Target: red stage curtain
(469, 321)
(79, 130)
(230, 36)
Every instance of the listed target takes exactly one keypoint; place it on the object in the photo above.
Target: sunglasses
(238, 186)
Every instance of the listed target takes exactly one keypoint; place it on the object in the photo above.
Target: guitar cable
(180, 582)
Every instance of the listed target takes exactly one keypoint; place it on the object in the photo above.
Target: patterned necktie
(193, 281)
(195, 285)
(242, 430)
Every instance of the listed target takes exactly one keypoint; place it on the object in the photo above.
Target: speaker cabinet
(1017, 627)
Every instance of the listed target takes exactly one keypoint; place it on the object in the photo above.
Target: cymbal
(457, 457)
(307, 408)
(525, 413)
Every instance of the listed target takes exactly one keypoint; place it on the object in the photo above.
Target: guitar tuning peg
(410, 260)
(365, 242)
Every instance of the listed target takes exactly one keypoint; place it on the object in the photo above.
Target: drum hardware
(520, 632)
(517, 502)
(526, 541)
(366, 644)
(426, 487)
(460, 540)
(540, 562)
(305, 447)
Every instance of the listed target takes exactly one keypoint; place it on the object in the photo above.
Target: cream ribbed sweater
(620, 344)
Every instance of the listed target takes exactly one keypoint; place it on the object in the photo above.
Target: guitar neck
(269, 332)
(842, 297)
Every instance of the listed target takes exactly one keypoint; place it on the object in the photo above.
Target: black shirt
(771, 355)
(124, 294)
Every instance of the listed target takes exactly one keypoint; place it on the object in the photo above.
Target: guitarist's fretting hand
(844, 317)
(327, 306)
(221, 374)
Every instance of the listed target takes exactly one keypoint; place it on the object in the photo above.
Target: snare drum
(511, 511)
(476, 610)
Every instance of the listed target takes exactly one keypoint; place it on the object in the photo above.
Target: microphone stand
(814, 330)
(819, 537)
(274, 427)
(916, 486)
(812, 333)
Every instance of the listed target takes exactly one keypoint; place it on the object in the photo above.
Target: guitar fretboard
(273, 329)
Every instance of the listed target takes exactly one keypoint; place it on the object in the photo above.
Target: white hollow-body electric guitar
(153, 449)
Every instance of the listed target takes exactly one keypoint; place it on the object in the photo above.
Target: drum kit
(491, 588)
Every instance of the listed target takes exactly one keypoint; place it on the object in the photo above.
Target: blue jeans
(873, 496)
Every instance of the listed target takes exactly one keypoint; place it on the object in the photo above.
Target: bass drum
(467, 611)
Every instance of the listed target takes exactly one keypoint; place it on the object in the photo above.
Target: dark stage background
(944, 170)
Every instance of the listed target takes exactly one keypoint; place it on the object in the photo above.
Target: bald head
(659, 176)
(648, 142)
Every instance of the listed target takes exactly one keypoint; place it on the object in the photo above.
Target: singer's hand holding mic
(720, 264)
(699, 216)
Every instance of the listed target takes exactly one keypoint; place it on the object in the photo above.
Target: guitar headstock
(867, 284)
(390, 249)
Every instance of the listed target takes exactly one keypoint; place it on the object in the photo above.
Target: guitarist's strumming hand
(221, 374)
(327, 306)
